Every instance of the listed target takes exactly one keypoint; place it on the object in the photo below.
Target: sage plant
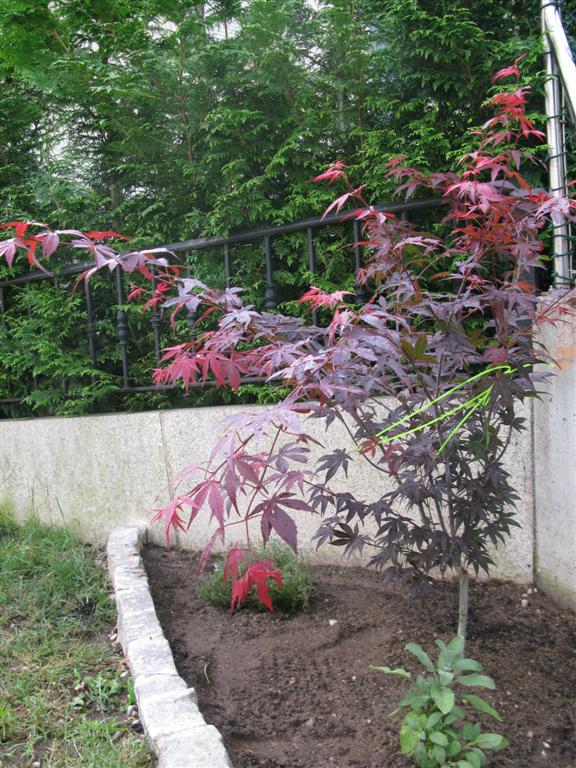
(435, 731)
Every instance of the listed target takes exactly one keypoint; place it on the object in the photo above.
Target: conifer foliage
(171, 119)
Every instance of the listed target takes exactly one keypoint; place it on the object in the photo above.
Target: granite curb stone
(200, 747)
(176, 730)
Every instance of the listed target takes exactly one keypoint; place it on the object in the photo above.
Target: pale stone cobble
(161, 686)
(137, 625)
(136, 600)
(150, 654)
(196, 748)
(177, 733)
(127, 577)
(163, 716)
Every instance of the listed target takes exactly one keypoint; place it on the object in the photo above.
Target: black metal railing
(266, 236)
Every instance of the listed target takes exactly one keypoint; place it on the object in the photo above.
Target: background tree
(188, 118)
(170, 119)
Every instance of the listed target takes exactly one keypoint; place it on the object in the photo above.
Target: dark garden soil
(298, 692)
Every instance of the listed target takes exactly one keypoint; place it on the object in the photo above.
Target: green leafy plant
(100, 690)
(289, 597)
(131, 693)
(435, 731)
(7, 721)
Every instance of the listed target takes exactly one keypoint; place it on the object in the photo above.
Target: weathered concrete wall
(555, 469)
(104, 470)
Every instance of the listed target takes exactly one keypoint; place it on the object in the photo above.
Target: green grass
(291, 597)
(62, 694)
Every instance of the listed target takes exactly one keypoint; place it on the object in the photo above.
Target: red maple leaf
(170, 514)
(319, 298)
(343, 199)
(19, 226)
(334, 171)
(105, 235)
(31, 243)
(8, 249)
(135, 293)
(50, 242)
(256, 575)
(235, 556)
(512, 70)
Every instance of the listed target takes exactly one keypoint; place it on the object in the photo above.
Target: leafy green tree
(190, 118)
(171, 119)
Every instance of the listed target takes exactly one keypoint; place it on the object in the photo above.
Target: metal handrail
(555, 35)
(315, 222)
(560, 88)
(207, 243)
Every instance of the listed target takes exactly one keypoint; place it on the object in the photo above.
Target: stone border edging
(177, 733)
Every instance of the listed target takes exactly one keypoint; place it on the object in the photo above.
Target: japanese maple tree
(425, 376)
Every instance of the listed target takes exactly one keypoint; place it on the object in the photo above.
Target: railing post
(62, 378)
(269, 289)
(555, 42)
(122, 325)
(155, 319)
(90, 325)
(2, 308)
(361, 295)
(191, 315)
(29, 313)
(312, 264)
(228, 266)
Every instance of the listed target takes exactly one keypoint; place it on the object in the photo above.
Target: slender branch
(258, 488)
(353, 436)
(463, 585)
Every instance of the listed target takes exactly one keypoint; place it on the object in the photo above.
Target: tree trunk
(463, 604)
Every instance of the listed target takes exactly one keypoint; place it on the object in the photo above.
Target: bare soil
(298, 692)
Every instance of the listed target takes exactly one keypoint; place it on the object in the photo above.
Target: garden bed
(298, 692)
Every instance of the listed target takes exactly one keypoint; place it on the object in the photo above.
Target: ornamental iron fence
(224, 248)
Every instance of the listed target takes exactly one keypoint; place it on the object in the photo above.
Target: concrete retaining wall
(555, 470)
(105, 470)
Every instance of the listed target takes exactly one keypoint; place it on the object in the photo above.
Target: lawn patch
(65, 699)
